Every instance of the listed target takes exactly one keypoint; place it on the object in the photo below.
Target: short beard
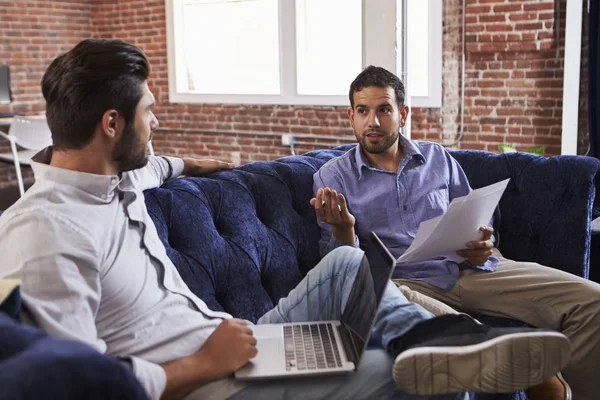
(129, 152)
(378, 148)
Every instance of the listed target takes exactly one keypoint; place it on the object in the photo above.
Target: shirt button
(405, 208)
(103, 197)
(113, 181)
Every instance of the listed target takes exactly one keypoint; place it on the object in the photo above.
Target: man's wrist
(344, 235)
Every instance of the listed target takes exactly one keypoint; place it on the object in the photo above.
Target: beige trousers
(540, 296)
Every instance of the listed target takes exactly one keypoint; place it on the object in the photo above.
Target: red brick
(49, 28)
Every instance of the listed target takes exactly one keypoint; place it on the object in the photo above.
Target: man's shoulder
(425, 146)
(40, 214)
(340, 163)
(433, 152)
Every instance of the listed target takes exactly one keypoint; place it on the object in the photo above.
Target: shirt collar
(410, 151)
(102, 186)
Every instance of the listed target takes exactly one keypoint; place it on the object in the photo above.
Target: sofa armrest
(34, 365)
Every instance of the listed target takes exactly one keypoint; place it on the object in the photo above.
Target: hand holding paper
(448, 233)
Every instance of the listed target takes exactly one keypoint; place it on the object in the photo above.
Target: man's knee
(342, 257)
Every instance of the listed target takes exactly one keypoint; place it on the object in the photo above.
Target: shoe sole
(500, 365)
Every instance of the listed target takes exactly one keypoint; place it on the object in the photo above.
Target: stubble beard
(130, 153)
(388, 141)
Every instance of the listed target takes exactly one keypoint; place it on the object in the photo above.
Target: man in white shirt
(93, 268)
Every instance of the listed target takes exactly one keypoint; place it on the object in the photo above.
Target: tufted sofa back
(242, 239)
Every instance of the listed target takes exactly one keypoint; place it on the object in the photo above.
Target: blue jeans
(322, 295)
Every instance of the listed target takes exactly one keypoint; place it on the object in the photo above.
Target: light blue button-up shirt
(394, 204)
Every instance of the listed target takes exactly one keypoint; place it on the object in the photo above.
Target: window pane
(418, 47)
(232, 46)
(329, 45)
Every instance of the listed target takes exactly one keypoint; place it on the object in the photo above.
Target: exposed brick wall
(514, 74)
(513, 85)
(33, 33)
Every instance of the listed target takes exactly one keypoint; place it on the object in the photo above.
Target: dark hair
(380, 77)
(82, 84)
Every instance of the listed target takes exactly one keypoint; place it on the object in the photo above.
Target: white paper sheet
(450, 232)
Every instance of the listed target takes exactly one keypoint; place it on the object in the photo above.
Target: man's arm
(162, 168)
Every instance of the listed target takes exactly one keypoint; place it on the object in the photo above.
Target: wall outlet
(287, 139)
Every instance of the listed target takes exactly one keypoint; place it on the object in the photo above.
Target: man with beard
(389, 184)
(93, 268)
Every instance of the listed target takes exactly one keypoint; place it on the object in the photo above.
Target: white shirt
(94, 269)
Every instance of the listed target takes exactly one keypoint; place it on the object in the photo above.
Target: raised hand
(479, 251)
(331, 208)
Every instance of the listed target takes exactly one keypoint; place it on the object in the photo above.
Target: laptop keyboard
(310, 346)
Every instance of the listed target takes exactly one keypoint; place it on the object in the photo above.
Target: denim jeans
(323, 293)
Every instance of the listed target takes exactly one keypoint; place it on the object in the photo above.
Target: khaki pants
(540, 296)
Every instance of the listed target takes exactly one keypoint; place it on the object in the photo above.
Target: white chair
(32, 134)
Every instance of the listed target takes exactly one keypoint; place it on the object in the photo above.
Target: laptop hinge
(349, 344)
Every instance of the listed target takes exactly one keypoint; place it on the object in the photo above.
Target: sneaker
(455, 353)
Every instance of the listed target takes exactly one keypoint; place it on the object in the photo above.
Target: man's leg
(433, 355)
(432, 305)
(323, 293)
(372, 380)
(540, 296)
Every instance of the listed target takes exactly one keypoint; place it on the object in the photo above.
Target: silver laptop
(325, 347)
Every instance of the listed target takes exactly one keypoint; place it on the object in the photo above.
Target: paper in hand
(450, 232)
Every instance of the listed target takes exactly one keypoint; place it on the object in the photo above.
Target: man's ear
(351, 116)
(111, 124)
(404, 110)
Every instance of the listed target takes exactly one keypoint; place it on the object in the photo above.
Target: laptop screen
(366, 294)
(5, 96)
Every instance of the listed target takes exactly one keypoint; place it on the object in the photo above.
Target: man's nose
(373, 120)
(154, 123)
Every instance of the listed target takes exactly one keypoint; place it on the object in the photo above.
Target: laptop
(325, 347)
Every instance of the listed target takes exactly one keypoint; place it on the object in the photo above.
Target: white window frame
(435, 37)
(382, 44)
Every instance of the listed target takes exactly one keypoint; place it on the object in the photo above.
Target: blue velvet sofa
(241, 239)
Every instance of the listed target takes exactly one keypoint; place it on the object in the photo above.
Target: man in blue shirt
(390, 184)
